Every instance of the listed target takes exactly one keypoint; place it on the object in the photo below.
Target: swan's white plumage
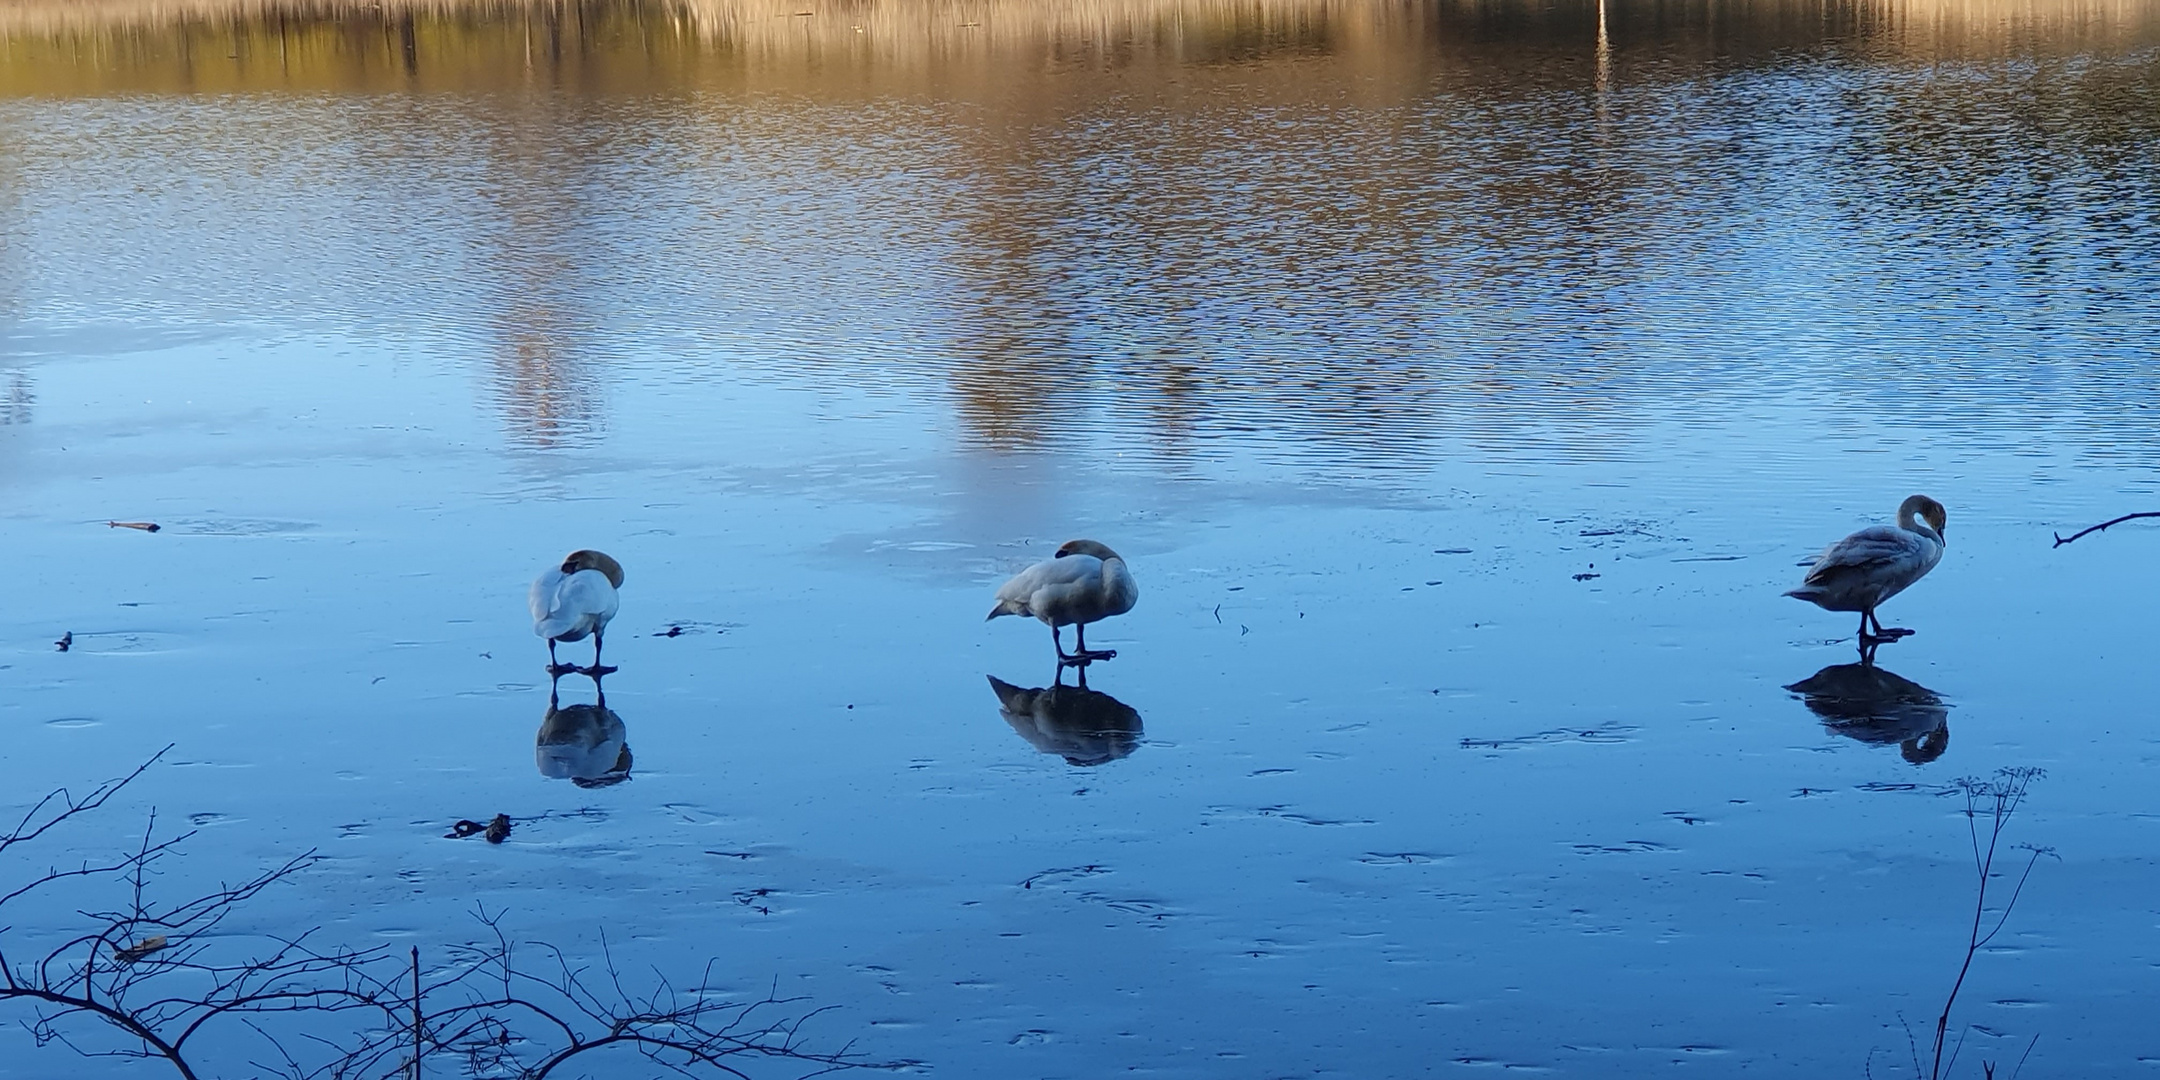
(1872, 565)
(569, 607)
(1869, 567)
(1072, 588)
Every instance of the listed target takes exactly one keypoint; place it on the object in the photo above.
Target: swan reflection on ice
(1083, 726)
(1866, 703)
(584, 744)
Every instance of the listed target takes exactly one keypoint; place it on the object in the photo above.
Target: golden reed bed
(74, 46)
(792, 20)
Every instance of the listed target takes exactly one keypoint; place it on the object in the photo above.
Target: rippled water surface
(1463, 383)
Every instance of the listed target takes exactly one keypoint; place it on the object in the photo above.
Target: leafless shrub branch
(152, 980)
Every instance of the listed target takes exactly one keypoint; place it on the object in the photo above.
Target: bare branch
(2060, 539)
(308, 1013)
(31, 827)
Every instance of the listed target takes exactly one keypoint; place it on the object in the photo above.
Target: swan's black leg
(1890, 633)
(1085, 654)
(596, 670)
(557, 670)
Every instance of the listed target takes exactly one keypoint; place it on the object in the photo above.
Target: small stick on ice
(2060, 539)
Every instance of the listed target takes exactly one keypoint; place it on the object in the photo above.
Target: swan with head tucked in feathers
(1085, 582)
(574, 600)
(1861, 571)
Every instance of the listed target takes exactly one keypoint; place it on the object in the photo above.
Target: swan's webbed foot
(597, 670)
(1873, 632)
(1084, 655)
(557, 671)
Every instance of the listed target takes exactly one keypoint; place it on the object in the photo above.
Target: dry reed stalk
(904, 24)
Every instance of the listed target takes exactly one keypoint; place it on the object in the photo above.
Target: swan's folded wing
(1072, 588)
(582, 598)
(542, 598)
(1865, 554)
(1050, 578)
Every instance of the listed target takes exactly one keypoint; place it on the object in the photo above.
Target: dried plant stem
(2001, 798)
(419, 1026)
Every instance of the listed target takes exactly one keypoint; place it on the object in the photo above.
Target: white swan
(1085, 582)
(573, 600)
(1872, 565)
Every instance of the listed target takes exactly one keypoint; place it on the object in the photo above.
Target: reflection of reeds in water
(546, 379)
(544, 384)
(545, 402)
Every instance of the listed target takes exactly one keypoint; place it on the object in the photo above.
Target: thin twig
(2060, 539)
(2021, 1057)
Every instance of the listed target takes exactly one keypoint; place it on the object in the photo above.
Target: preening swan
(1861, 571)
(1086, 581)
(573, 600)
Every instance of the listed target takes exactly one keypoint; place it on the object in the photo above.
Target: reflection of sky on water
(1361, 373)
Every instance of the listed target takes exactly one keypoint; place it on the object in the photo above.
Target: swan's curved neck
(1911, 522)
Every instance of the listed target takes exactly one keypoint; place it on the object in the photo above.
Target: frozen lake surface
(1463, 385)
